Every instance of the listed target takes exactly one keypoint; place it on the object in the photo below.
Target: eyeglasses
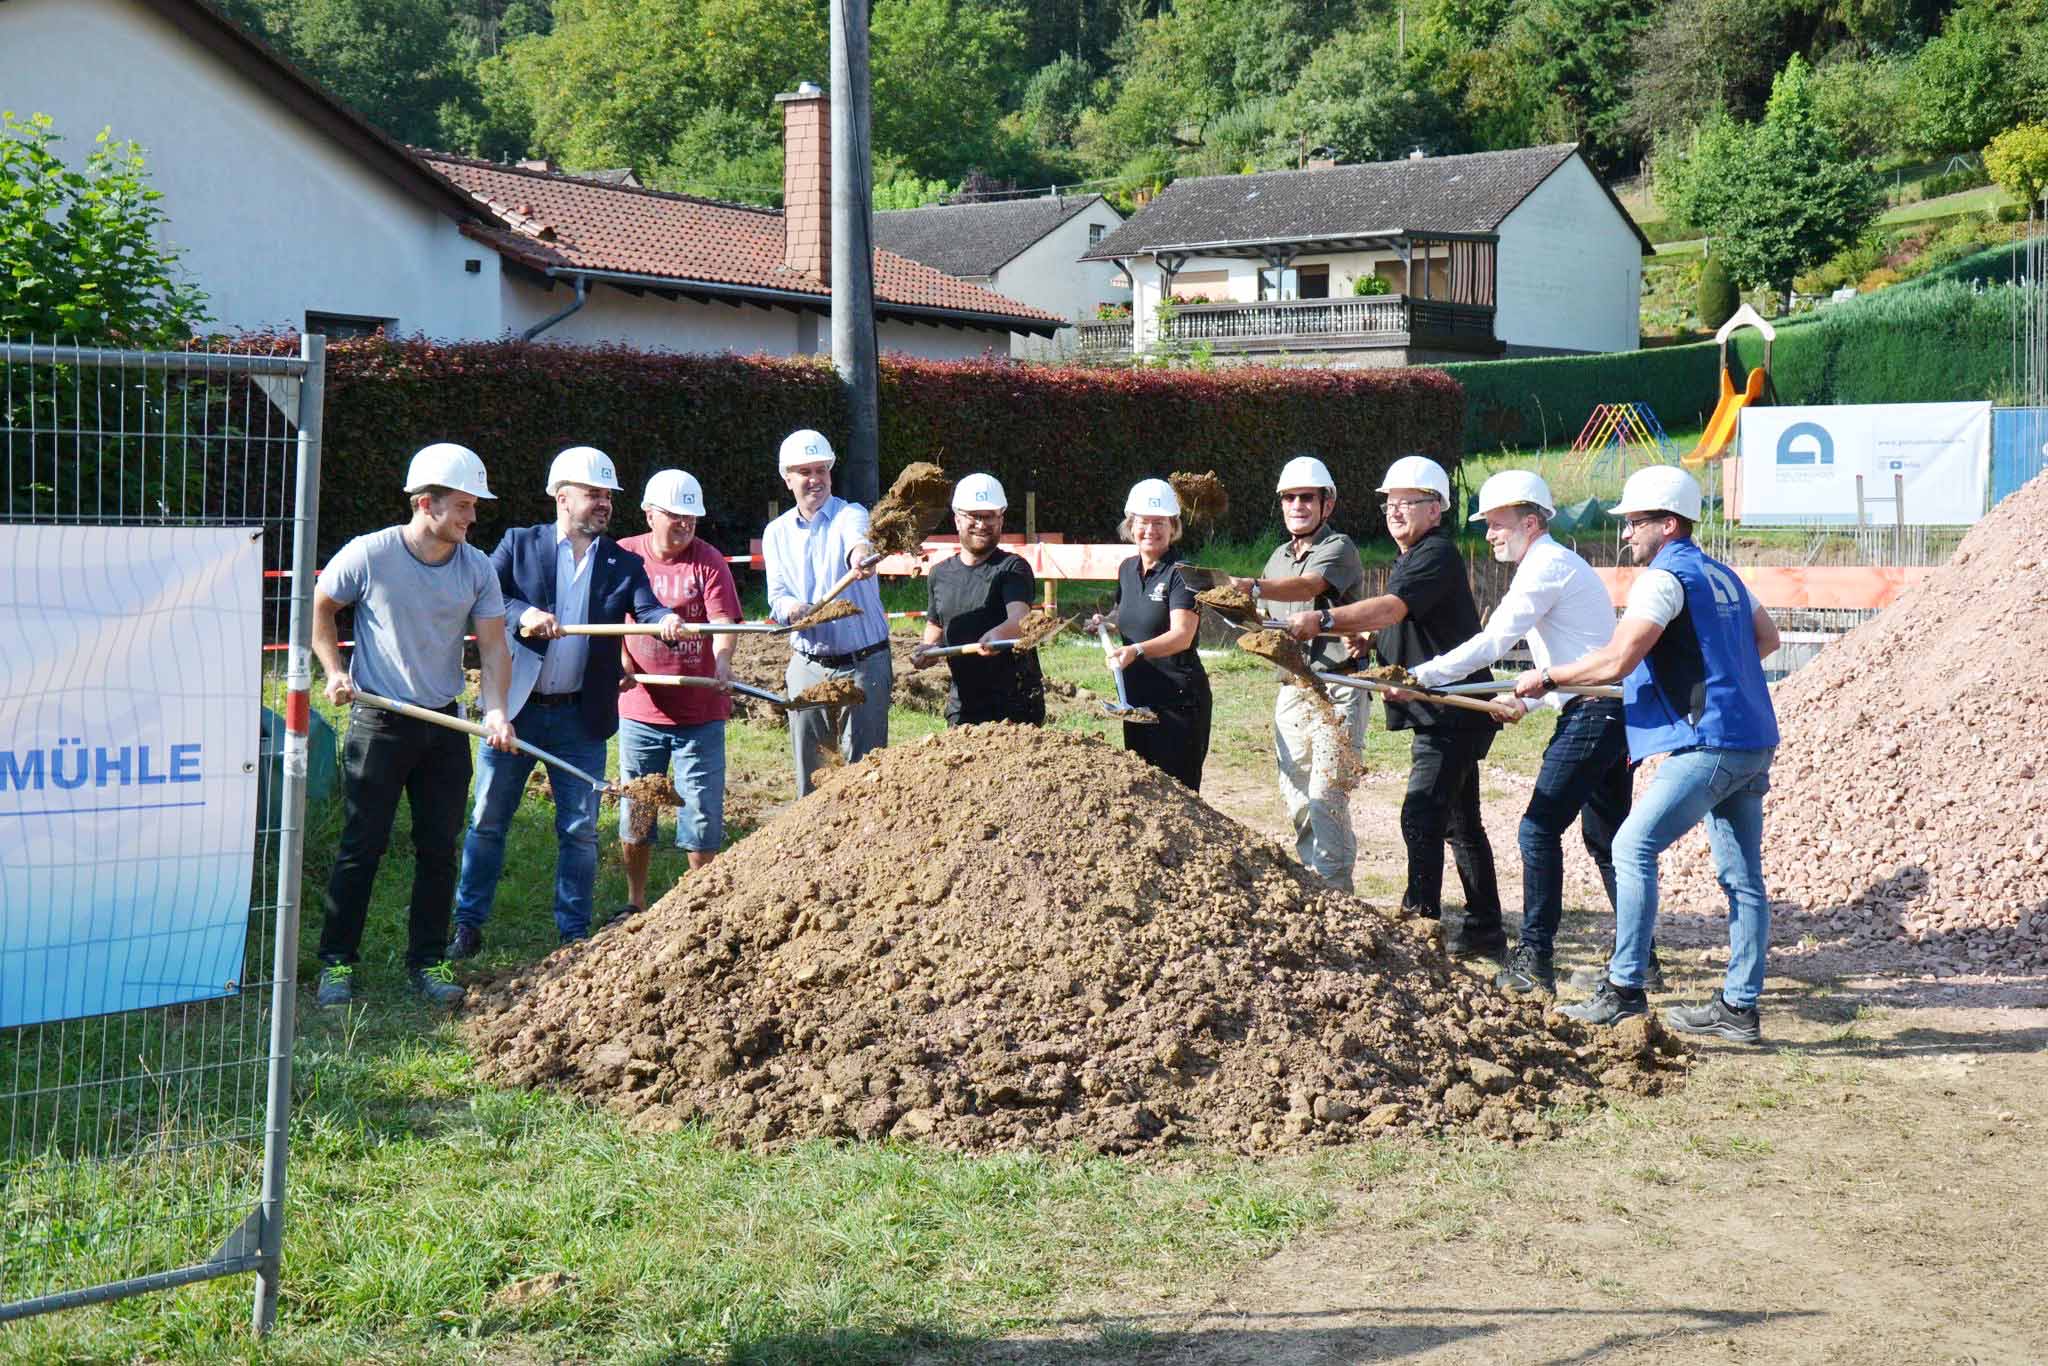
(1404, 503)
(1303, 496)
(979, 518)
(1633, 522)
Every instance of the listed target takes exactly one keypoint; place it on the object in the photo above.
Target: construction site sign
(129, 704)
(1921, 464)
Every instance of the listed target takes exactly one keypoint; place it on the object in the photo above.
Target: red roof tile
(568, 222)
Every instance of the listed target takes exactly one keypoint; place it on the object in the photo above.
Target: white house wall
(1571, 271)
(1050, 275)
(273, 219)
(652, 323)
(929, 341)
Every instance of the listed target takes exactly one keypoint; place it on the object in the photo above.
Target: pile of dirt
(1004, 936)
(1909, 798)
(905, 515)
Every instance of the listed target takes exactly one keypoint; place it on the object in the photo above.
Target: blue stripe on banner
(101, 810)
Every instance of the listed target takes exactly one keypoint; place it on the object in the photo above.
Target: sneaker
(337, 984)
(1718, 1019)
(467, 943)
(1590, 977)
(436, 985)
(1528, 973)
(624, 912)
(1608, 1005)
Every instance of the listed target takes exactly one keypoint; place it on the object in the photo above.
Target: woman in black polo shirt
(1156, 616)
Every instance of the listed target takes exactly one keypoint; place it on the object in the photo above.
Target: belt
(553, 699)
(850, 658)
(1577, 702)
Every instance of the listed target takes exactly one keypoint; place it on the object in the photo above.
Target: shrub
(1717, 297)
(1077, 436)
(1369, 284)
(1878, 279)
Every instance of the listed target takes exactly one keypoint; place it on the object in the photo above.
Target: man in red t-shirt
(669, 726)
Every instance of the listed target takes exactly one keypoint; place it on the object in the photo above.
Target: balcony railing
(1371, 320)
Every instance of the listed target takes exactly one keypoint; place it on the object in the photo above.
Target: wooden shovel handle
(442, 718)
(1434, 699)
(844, 579)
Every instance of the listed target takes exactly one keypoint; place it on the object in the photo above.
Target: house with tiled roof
(291, 211)
(1027, 249)
(1422, 260)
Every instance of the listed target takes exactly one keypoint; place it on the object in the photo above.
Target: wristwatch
(1326, 619)
(1544, 679)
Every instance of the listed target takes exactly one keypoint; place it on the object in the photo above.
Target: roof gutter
(582, 297)
(1202, 248)
(820, 302)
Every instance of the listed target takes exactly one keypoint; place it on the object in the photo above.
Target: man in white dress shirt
(1561, 607)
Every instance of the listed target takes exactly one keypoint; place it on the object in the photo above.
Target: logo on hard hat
(1806, 443)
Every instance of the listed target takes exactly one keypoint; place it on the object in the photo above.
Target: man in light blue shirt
(807, 550)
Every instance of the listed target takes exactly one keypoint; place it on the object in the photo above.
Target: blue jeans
(695, 758)
(1725, 787)
(1585, 778)
(501, 783)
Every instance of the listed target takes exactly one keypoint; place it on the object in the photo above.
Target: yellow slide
(1720, 432)
(1721, 426)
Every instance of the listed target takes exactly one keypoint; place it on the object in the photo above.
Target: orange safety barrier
(1776, 586)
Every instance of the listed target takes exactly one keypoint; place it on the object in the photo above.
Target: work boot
(337, 985)
(436, 985)
(1528, 973)
(1591, 976)
(1609, 1005)
(467, 943)
(1718, 1019)
(1463, 939)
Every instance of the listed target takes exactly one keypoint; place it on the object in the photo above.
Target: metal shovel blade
(1122, 709)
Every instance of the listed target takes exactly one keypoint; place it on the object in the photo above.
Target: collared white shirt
(1555, 601)
(804, 558)
(561, 670)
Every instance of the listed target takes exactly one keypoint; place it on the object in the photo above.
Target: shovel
(695, 628)
(844, 579)
(441, 718)
(1201, 578)
(1500, 685)
(948, 651)
(773, 699)
(1434, 699)
(1122, 709)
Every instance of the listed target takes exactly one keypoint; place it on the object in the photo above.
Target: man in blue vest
(1689, 648)
(564, 695)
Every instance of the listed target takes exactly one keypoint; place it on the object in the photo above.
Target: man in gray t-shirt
(1317, 567)
(416, 589)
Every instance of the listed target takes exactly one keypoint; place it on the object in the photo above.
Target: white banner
(130, 687)
(1801, 464)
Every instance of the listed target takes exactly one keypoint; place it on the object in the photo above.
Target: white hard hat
(583, 465)
(675, 493)
(1152, 498)
(805, 447)
(1305, 472)
(979, 493)
(1660, 488)
(447, 465)
(1509, 487)
(1417, 472)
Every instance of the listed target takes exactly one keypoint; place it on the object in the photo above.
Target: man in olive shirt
(1426, 610)
(1317, 565)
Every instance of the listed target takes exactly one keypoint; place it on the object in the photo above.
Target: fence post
(291, 836)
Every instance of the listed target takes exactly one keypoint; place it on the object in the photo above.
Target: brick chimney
(807, 181)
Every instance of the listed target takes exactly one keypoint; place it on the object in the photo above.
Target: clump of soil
(1038, 627)
(836, 692)
(1393, 675)
(905, 515)
(648, 793)
(1279, 648)
(1004, 936)
(1909, 798)
(836, 610)
(1202, 496)
(1232, 603)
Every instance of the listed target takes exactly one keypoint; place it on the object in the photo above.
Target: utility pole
(853, 254)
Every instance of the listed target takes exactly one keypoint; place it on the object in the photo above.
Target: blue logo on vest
(1806, 443)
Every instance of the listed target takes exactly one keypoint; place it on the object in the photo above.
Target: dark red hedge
(1077, 437)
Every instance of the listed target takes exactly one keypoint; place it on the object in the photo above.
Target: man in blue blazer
(564, 696)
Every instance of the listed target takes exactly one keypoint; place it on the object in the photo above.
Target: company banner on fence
(1800, 464)
(129, 732)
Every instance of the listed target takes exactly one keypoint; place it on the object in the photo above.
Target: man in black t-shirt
(977, 597)
(1426, 610)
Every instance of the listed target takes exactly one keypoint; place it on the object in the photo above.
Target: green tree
(2017, 160)
(392, 61)
(1355, 100)
(1054, 99)
(80, 249)
(1777, 197)
(1717, 298)
(941, 69)
(1963, 86)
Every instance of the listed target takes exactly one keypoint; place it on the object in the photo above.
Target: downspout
(582, 296)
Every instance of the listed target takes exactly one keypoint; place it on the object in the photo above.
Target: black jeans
(1178, 743)
(384, 756)
(1585, 777)
(1443, 800)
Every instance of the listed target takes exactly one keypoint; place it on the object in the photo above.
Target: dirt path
(1866, 1188)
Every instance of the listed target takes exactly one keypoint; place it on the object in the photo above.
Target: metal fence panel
(2019, 448)
(146, 1149)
